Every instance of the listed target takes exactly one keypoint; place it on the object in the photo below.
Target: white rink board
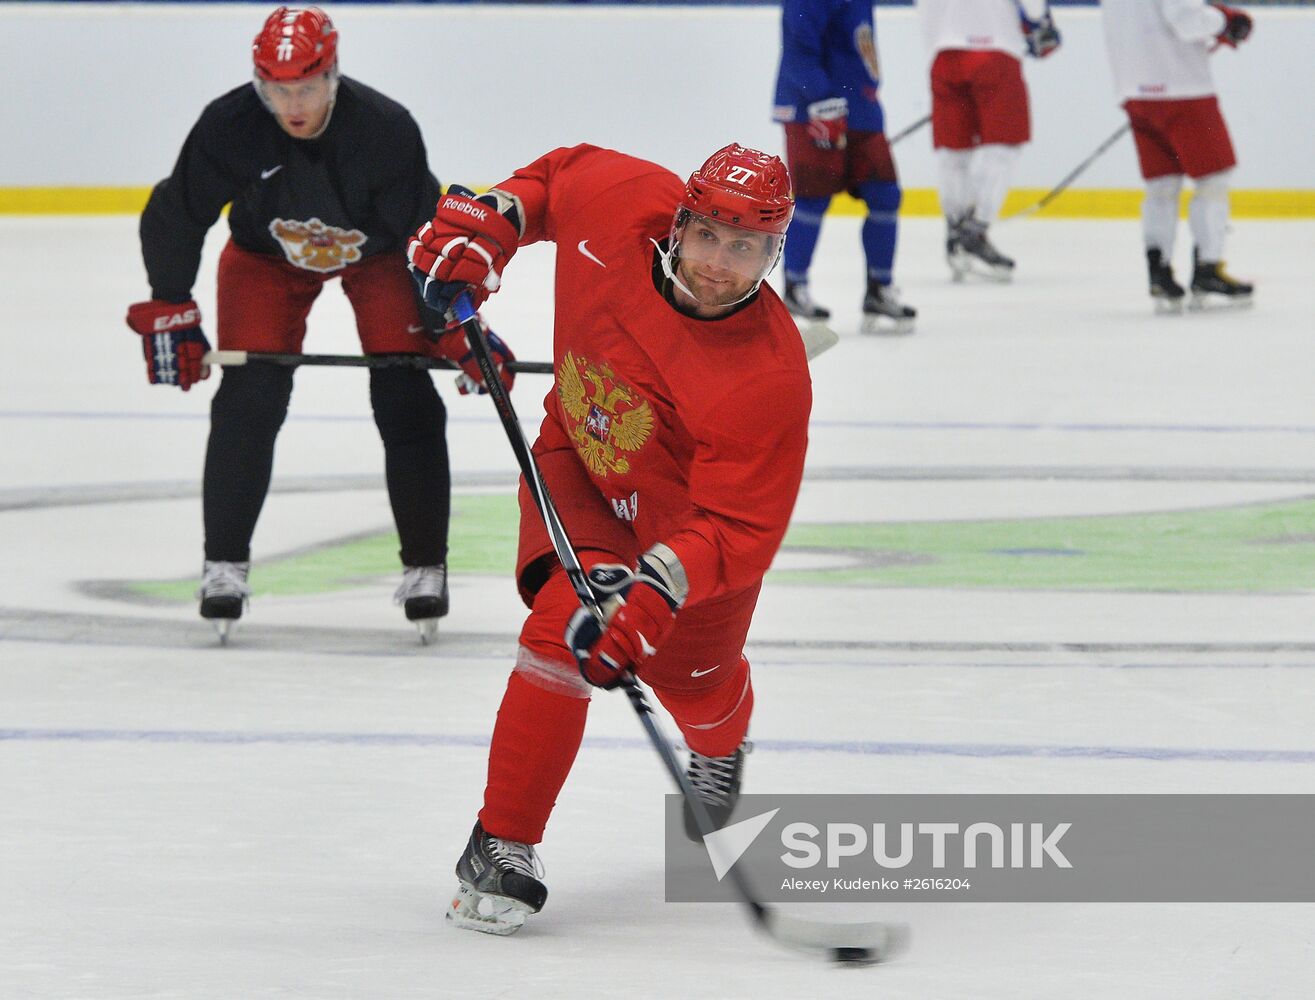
(495, 87)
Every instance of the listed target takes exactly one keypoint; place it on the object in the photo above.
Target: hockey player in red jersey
(673, 446)
(1159, 52)
(980, 119)
(327, 179)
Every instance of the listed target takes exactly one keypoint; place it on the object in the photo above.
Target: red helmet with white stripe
(295, 43)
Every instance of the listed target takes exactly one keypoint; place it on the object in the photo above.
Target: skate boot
(498, 886)
(223, 593)
(883, 312)
(810, 318)
(955, 255)
(800, 303)
(979, 255)
(423, 596)
(716, 781)
(1214, 288)
(1166, 292)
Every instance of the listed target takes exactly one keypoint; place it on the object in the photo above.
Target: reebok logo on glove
(472, 208)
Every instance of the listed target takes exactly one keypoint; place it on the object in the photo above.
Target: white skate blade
(487, 914)
(428, 629)
(223, 626)
(881, 325)
(818, 338)
(1215, 302)
(1167, 307)
(965, 266)
(995, 275)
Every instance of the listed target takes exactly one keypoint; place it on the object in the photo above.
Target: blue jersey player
(835, 140)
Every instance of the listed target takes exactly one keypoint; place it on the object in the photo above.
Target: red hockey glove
(454, 346)
(1237, 26)
(639, 608)
(172, 341)
(465, 246)
(828, 123)
(1042, 36)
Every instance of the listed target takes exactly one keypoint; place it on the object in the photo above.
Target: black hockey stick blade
(232, 358)
(849, 942)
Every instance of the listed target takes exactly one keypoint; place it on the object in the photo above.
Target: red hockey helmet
(742, 187)
(295, 43)
(729, 228)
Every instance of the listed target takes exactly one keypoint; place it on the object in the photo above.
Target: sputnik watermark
(1098, 848)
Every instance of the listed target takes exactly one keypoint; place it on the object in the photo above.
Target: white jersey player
(979, 114)
(1159, 53)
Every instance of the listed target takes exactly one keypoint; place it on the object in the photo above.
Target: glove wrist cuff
(661, 568)
(508, 206)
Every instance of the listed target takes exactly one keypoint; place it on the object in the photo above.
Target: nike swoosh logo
(645, 647)
(584, 250)
(700, 673)
(267, 174)
(414, 328)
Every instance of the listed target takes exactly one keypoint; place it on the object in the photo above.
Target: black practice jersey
(365, 182)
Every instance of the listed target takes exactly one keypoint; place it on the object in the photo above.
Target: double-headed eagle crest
(316, 247)
(606, 417)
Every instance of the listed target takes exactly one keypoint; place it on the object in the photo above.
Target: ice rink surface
(281, 817)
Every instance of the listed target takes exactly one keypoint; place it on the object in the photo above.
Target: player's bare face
(720, 264)
(302, 106)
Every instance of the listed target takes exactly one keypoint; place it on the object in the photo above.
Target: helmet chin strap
(666, 256)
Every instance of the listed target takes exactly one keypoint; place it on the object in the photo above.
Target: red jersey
(693, 430)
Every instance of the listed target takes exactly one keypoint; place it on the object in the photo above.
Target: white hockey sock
(956, 185)
(1159, 213)
(1208, 215)
(991, 169)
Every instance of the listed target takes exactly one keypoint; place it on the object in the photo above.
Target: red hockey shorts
(699, 673)
(263, 302)
(820, 173)
(1185, 136)
(978, 98)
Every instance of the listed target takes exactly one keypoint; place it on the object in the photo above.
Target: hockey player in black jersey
(328, 179)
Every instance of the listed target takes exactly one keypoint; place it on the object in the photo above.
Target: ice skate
(423, 596)
(810, 318)
(1214, 288)
(223, 593)
(955, 256)
(716, 781)
(1166, 292)
(977, 256)
(800, 303)
(884, 313)
(498, 886)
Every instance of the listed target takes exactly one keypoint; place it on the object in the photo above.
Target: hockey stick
(907, 131)
(1072, 175)
(849, 942)
(231, 358)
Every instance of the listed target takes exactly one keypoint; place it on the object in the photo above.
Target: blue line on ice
(857, 747)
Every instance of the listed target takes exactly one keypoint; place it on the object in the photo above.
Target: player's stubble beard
(712, 298)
